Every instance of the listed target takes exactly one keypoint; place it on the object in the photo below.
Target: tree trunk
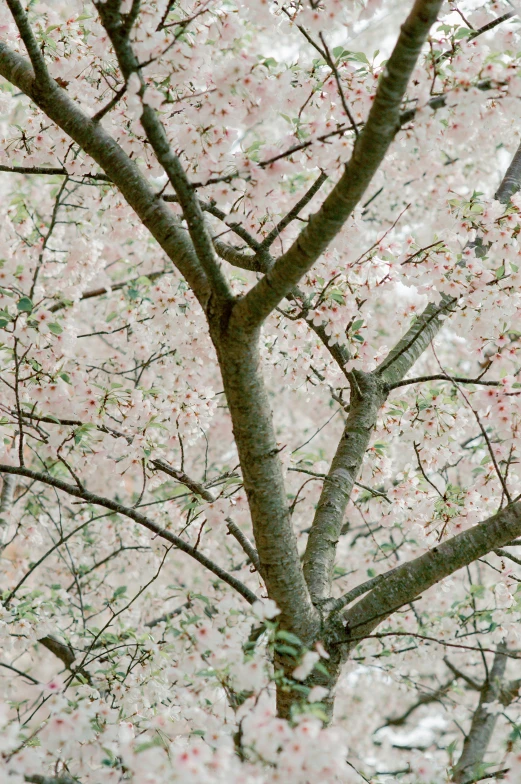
(261, 468)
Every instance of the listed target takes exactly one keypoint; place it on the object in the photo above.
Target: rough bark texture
(234, 328)
(370, 149)
(95, 141)
(6, 502)
(512, 179)
(367, 396)
(263, 481)
(483, 723)
(368, 393)
(414, 577)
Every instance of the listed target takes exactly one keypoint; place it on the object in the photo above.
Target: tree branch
(294, 212)
(464, 677)
(184, 479)
(407, 581)
(442, 377)
(367, 396)
(244, 542)
(368, 393)
(139, 518)
(119, 35)
(504, 554)
(6, 502)
(424, 699)
(483, 722)
(512, 180)
(20, 673)
(373, 142)
(36, 778)
(96, 142)
(199, 489)
(65, 654)
(402, 357)
(440, 101)
(31, 44)
(484, 29)
(110, 288)
(338, 604)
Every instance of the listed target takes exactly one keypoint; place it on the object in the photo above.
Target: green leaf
(55, 328)
(317, 709)
(200, 596)
(289, 650)
(300, 688)
(148, 745)
(192, 619)
(359, 57)
(321, 668)
(109, 637)
(25, 305)
(51, 416)
(288, 637)
(357, 324)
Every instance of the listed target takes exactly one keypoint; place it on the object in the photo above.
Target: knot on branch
(336, 631)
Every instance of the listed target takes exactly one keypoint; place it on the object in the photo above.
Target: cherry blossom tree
(260, 510)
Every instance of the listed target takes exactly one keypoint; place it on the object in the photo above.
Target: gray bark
(234, 326)
(369, 151)
(261, 467)
(367, 396)
(408, 581)
(483, 723)
(6, 502)
(36, 778)
(368, 393)
(512, 180)
(96, 142)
